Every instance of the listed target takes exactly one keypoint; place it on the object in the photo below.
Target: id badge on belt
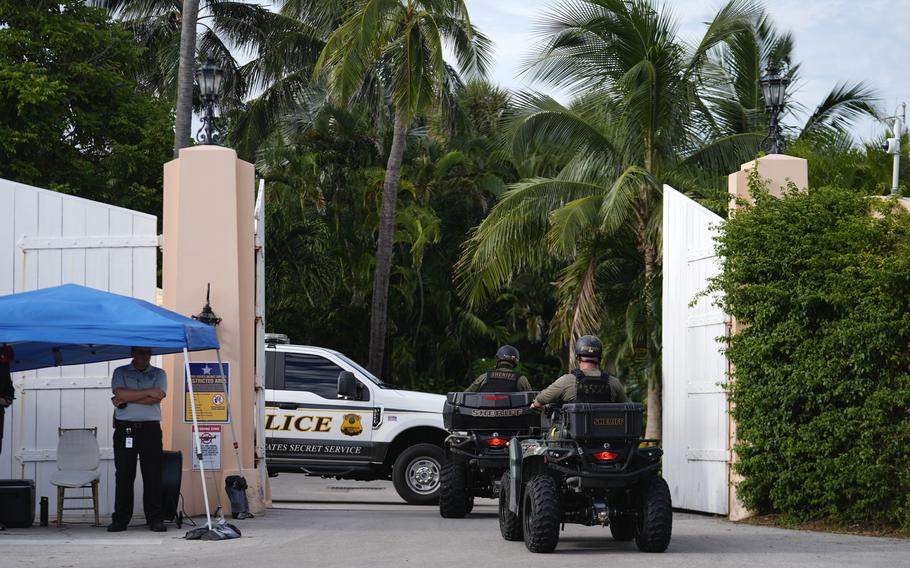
(128, 442)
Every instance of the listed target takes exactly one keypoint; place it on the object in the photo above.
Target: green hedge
(821, 385)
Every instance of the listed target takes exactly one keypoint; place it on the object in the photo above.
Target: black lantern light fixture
(774, 91)
(209, 78)
(207, 315)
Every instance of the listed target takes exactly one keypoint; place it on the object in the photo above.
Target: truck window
(311, 373)
(273, 360)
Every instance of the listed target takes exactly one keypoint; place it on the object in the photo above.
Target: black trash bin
(17, 502)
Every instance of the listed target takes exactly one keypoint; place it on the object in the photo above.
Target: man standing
(138, 389)
(6, 391)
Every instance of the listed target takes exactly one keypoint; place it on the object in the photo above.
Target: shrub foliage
(821, 385)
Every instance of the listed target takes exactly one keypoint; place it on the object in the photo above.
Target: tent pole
(230, 414)
(259, 240)
(19, 435)
(189, 381)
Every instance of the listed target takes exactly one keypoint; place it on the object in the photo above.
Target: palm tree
(184, 110)
(636, 122)
(394, 49)
(168, 31)
(736, 101)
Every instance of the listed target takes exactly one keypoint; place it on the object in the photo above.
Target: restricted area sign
(211, 390)
(210, 441)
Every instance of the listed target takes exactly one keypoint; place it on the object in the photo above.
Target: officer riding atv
(592, 468)
(481, 421)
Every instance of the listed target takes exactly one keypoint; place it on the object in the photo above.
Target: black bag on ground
(235, 486)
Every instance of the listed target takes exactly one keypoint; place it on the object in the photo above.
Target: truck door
(306, 423)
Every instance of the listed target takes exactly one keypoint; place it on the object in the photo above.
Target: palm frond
(541, 120)
(618, 208)
(841, 108)
(574, 223)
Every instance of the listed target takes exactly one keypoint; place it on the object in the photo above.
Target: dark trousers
(147, 447)
(2, 422)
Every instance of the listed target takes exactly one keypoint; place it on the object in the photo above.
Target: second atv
(480, 425)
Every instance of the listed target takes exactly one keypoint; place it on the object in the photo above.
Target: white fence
(695, 418)
(48, 239)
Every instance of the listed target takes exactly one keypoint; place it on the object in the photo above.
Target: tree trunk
(655, 409)
(184, 109)
(653, 428)
(380, 305)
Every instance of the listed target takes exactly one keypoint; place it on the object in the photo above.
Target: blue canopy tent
(74, 325)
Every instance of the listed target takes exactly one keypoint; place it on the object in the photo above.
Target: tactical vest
(594, 388)
(500, 380)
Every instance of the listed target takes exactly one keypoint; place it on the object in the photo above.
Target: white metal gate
(48, 239)
(695, 419)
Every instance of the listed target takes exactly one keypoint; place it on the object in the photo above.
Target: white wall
(48, 239)
(695, 419)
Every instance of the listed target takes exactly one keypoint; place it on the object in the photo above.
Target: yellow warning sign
(211, 390)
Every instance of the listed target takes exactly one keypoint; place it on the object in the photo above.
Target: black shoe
(157, 526)
(116, 527)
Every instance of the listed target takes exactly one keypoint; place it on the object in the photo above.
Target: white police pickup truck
(328, 416)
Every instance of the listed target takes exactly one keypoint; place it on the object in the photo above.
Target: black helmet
(507, 354)
(588, 347)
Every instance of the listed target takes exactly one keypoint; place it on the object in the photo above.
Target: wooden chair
(78, 458)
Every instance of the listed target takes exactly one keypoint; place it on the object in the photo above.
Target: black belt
(128, 424)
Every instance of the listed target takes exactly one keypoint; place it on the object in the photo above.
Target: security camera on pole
(893, 144)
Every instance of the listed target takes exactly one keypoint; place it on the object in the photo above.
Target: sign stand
(230, 418)
(198, 446)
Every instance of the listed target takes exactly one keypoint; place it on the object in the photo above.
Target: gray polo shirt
(129, 377)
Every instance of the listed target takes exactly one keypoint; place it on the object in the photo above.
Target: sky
(835, 41)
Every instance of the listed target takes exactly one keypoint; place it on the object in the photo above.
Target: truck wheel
(541, 515)
(453, 493)
(656, 516)
(416, 474)
(622, 528)
(509, 523)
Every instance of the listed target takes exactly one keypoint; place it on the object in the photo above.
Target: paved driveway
(326, 523)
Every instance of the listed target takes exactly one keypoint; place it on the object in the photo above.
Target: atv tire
(509, 522)
(453, 495)
(656, 516)
(541, 514)
(622, 528)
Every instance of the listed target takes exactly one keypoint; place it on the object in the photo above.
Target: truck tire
(541, 514)
(509, 523)
(453, 492)
(622, 528)
(416, 474)
(656, 516)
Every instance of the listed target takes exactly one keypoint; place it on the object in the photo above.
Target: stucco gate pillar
(777, 170)
(209, 238)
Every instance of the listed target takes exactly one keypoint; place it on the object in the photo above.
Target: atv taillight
(497, 442)
(494, 397)
(605, 456)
